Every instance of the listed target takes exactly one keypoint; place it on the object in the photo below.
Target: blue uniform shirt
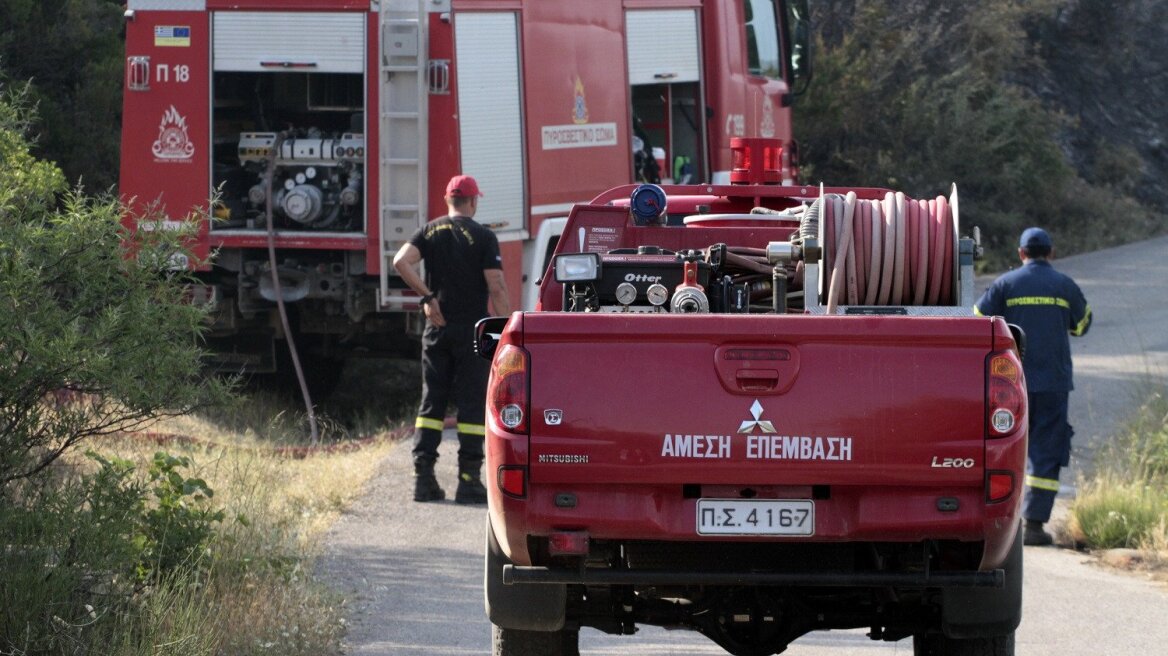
(1048, 306)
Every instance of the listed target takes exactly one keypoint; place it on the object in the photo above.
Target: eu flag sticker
(172, 35)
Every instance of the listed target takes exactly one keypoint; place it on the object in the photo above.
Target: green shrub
(176, 532)
(1144, 448)
(1126, 505)
(97, 329)
(86, 558)
(1112, 514)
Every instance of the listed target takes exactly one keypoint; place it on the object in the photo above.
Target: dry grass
(1125, 504)
(106, 525)
(304, 492)
(279, 504)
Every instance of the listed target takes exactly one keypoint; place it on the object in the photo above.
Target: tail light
(512, 480)
(507, 396)
(1005, 394)
(999, 486)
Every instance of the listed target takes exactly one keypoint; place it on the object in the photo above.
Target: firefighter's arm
(1080, 312)
(990, 302)
(1080, 327)
(406, 263)
(497, 288)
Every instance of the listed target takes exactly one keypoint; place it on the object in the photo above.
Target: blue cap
(1034, 237)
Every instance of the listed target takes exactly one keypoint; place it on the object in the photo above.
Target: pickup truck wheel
(939, 645)
(526, 608)
(513, 642)
(986, 612)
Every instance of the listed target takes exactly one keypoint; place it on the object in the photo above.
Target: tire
(939, 645)
(986, 613)
(514, 642)
(523, 608)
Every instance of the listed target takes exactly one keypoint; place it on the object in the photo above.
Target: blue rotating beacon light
(648, 204)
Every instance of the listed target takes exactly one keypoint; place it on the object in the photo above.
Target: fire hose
(308, 408)
(894, 251)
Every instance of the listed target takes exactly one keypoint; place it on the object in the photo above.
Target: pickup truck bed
(750, 475)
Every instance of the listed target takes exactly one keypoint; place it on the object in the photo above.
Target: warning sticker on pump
(756, 517)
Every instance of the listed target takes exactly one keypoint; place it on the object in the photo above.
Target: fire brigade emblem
(579, 105)
(173, 143)
(767, 129)
(763, 425)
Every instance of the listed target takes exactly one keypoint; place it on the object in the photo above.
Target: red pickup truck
(724, 418)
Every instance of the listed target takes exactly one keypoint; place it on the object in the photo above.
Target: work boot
(1034, 536)
(425, 484)
(470, 488)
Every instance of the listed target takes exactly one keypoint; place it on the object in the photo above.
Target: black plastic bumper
(513, 574)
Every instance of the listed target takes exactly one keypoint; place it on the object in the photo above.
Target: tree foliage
(71, 52)
(916, 95)
(96, 336)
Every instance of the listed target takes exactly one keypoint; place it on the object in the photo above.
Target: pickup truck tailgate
(757, 399)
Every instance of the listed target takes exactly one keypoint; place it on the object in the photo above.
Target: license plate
(756, 517)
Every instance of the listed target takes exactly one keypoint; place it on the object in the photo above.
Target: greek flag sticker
(172, 35)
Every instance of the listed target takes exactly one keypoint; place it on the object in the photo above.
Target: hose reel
(892, 251)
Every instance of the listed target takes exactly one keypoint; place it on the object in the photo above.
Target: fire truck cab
(315, 136)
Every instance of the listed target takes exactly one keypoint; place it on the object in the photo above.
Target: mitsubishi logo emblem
(748, 426)
(553, 417)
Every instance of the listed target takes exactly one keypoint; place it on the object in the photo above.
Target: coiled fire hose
(894, 251)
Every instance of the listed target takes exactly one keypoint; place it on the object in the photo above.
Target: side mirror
(488, 331)
(799, 21)
(1019, 339)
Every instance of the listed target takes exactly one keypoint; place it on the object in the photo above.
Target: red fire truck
(328, 129)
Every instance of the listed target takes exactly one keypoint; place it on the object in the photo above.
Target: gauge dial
(658, 294)
(626, 293)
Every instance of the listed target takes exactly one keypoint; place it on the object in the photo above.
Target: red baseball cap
(462, 185)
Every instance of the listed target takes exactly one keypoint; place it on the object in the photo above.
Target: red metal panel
(288, 5)
(738, 99)
(444, 150)
(166, 134)
(372, 186)
(902, 391)
(259, 239)
(661, 4)
(576, 100)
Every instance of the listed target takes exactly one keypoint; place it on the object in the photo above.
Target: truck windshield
(762, 38)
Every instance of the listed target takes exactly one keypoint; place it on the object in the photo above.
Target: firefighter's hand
(434, 313)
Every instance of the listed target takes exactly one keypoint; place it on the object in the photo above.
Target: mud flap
(524, 607)
(980, 612)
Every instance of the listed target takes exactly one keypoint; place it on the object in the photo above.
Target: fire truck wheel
(513, 642)
(525, 608)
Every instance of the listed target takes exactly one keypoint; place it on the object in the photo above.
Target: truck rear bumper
(513, 574)
(851, 515)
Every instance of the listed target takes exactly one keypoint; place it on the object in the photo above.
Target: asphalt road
(412, 579)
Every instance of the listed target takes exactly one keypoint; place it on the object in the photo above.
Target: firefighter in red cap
(1048, 306)
(463, 271)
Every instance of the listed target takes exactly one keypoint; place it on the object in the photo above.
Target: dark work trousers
(1049, 450)
(451, 372)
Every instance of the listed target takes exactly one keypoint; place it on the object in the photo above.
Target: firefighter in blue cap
(1048, 306)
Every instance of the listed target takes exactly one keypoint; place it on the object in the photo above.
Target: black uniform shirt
(456, 252)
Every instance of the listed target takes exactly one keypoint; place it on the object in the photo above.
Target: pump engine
(317, 181)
